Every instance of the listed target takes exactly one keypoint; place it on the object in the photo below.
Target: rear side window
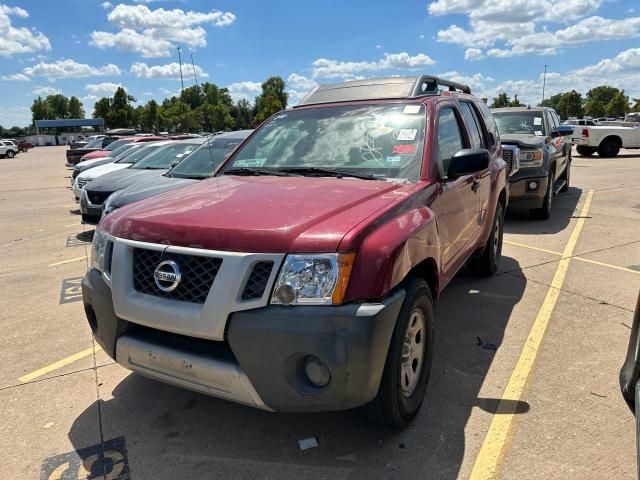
(489, 121)
(473, 125)
(449, 139)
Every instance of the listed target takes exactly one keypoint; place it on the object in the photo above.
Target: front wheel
(406, 370)
(610, 147)
(544, 212)
(585, 151)
(487, 263)
(10, 154)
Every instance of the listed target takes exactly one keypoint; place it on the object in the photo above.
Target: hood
(112, 181)
(148, 188)
(248, 214)
(96, 154)
(86, 164)
(523, 140)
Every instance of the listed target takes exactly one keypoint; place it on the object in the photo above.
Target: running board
(559, 185)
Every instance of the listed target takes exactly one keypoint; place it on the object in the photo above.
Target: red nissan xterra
(303, 277)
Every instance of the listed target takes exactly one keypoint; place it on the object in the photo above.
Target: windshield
(95, 143)
(163, 157)
(117, 144)
(381, 141)
(527, 123)
(117, 152)
(203, 161)
(136, 152)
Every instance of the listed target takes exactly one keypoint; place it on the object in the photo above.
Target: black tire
(487, 263)
(10, 154)
(396, 404)
(585, 151)
(566, 176)
(609, 147)
(544, 212)
(24, 149)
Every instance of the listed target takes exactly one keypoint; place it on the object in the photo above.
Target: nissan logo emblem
(167, 275)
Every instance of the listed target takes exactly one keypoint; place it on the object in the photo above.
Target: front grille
(507, 156)
(257, 281)
(198, 274)
(97, 198)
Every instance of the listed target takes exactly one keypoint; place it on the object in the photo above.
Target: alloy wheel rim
(412, 353)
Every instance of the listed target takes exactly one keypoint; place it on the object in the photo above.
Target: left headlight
(319, 279)
(531, 158)
(98, 249)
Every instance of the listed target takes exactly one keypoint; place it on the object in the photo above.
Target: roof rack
(374, 88)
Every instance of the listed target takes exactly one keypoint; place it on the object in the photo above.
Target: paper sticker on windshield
(538, 133)
(404, 149)
(394, 159)
(537, 121)
(250, 162)
(406, 134)
(411, 109)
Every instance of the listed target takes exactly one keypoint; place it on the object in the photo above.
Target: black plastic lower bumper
(270, 345)
(523, 196)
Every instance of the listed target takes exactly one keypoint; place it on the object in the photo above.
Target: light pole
(544, 81)
(180, 61)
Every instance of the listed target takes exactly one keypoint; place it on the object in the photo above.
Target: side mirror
(468, 161)
(562, 131)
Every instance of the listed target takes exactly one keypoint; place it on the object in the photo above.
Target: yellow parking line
(59, 364)
(581, 259)
(494, 446)
(71, 260)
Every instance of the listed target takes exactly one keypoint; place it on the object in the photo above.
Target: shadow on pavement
(173, 433)
(563, 209)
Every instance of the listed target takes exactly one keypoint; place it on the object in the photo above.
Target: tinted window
(489, 121)
(116, 144)
(385, 141)
(475, 130)
(449, 139)
(163, 157)
(136, 152)
(520, 122)
(202, 162)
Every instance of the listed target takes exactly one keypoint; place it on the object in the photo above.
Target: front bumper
(521, 196)
(91, 214)
(580, 141)
(265, 347)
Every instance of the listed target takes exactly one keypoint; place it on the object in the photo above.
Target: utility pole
(180, 61)
(544, 81)
(194, 71)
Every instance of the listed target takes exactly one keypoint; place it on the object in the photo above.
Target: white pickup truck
(607, 140)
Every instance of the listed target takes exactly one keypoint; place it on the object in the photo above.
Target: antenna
(195, 76)
(180, 61)
(544, 81)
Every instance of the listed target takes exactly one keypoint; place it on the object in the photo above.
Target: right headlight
(531, 158)
(98, 249)
(315, 279)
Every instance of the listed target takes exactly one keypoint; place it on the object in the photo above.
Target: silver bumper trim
(205, 375)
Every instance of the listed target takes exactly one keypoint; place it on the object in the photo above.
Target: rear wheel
(10, 154)
(488, 262)
(609, 147)
(406, 371)
(585, 151)
(544, 212)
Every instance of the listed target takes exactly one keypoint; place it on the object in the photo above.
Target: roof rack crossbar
(428, 85)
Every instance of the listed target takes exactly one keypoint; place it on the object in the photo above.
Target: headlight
(98, 249)
(313, 279)
(109, 206)
(531, 158)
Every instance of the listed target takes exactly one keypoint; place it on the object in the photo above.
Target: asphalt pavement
(524, 382)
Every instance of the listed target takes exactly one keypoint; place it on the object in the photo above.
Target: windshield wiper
(328, 172)
(255, 171)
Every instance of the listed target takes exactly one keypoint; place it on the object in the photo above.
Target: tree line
(598, 102)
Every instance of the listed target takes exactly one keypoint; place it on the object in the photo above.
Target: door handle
(475, 185)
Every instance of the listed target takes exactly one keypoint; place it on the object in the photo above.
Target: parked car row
(295, 268)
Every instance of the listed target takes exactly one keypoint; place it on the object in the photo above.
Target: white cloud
(421, 36)
(147, 94)
(107, 88)
(154, 33)
(473, 54)
(19, 39)
(106, 5)
(89, 99)
(327, 68)
(45, 90)
(301, 82)
(15, 77)
(70, 68)
(244, 90)
(168, 71)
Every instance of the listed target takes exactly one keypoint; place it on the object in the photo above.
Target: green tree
(272, 99)
(59, 105)
(515, 102)
(40, 110)
(121, 112)
(618, 106)
(243, 114)
(636, 105)
(101, 108)
(570, 105)
(553, 101)
(597, 100)
(76, 110)
(149, 117)
(502, 100)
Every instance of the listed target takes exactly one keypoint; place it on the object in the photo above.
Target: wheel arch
(613, 137)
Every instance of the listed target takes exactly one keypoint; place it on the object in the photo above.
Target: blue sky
(87, 48)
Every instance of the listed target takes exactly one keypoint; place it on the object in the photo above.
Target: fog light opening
(316, 371)
(533, 185)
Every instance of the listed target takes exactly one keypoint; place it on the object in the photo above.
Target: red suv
(303, 276)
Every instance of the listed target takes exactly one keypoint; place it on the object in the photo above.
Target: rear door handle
(475, 185)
